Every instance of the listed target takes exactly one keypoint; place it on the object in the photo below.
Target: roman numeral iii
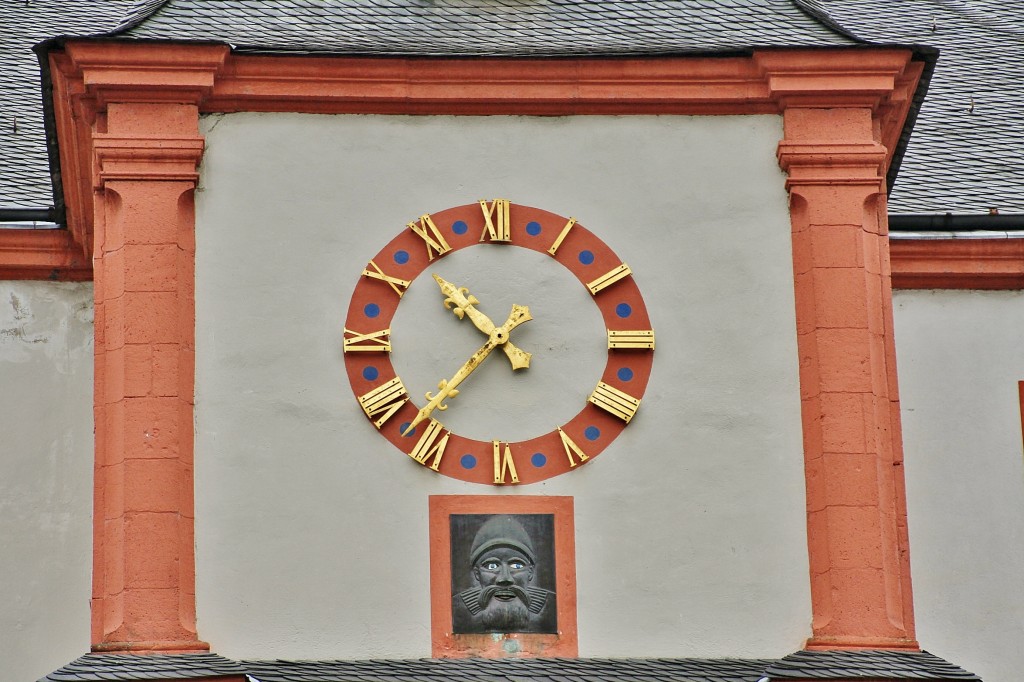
(615, 402)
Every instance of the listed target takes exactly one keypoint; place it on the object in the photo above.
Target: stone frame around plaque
(531, 537)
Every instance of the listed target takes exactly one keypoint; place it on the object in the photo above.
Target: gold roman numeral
(637, 339)
(431, 443)
(378, 341)
(384, 400)
(432, 237)
(562, 236)
(504, 465)
(399, 285)
(571, 448)
(609, 278)
(496, 221)
(615, 402)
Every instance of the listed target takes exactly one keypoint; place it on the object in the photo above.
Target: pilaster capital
(141, 72)
(823, 162)
(854, 78)
(140, 158)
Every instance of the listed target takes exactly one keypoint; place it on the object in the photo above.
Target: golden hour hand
(448, 388)
(462, 303)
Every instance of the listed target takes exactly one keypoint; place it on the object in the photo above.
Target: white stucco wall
(960, 356)
(312, 530)
(45, 475)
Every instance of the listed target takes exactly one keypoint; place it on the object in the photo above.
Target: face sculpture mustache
(504, 608)
(504, 593)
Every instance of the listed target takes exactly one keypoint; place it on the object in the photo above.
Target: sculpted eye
(490, 565)
(517, 565)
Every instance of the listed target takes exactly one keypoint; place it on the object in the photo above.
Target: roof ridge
(142, 11)
(817, 11)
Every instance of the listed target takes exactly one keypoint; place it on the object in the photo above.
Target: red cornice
(957, 263)
(918, 264)
(89, 75)
(42, 254)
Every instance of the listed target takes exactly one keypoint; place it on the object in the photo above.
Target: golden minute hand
(448, 388)
(461, 302)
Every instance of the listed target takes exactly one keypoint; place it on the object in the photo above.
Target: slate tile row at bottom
(802, 665)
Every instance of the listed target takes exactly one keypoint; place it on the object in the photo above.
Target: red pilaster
(138, 127)
(856, 511)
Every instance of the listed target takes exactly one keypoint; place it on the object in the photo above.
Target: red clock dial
(604, 413)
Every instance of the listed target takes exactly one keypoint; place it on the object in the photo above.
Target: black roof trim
(930, 56)
(50, 128)
(949, 222)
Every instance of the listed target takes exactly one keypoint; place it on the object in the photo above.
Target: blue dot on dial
(538, 459)
(586, 257)
(403, 427)
(371, 310)
(401, 257)
(592, 433)
(467, 461)
(623, 310)
(624, 374)
(460, 227)
(533, 228)
(370, 373)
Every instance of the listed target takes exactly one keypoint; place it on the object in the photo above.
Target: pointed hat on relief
(501, 531)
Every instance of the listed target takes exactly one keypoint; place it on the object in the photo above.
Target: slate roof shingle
(966, 153)
(103, 667)
(497, 28)
(512, 670)
(384, 27)
(24, 167)
(868, 664)
(803, 665)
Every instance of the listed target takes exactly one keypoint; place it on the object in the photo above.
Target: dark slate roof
(966, 153)
(804, 665)
(873, 664)
(24, 169)
(102, 667)
(381, 27)
(511, 670)
(541, 28)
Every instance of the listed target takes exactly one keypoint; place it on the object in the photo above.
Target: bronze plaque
(503, 573)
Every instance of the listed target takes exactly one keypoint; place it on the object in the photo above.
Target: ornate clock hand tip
(414, 423)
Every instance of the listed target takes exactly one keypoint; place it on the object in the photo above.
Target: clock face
(415, 424)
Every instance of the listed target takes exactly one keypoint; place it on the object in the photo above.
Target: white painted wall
(312, 530)
(960, 356)
(46, 449)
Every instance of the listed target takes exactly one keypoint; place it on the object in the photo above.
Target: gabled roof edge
(928, 55)
(42, 51)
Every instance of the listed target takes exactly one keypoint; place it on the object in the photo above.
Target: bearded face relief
(502, 573)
